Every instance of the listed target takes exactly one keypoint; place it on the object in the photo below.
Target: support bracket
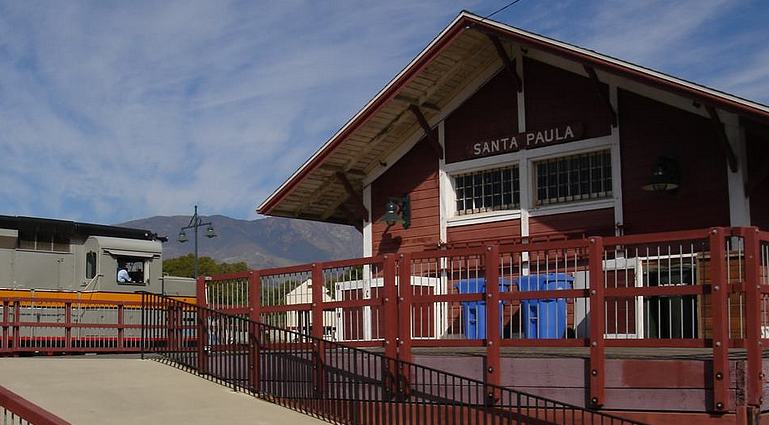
(431, 138)
(597, 83)
(509, 64)
(722, 139)
(354, 196)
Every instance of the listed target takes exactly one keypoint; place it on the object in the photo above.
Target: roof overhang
(461, 52)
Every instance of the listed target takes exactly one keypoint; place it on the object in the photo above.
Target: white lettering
(529, 138)
(569, 133)
(477, 149)
(540, 139)
(549, 135)
(495, 145)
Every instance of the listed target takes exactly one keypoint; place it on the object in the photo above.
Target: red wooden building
(494, 136)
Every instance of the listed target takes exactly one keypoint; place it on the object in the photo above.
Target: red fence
(336, 382)
(17, 410)
(48, 325)
(691, 289)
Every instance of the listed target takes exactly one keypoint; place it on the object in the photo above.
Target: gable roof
(461, 52)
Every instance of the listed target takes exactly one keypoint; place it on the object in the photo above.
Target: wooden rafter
(325, 184)
(718, 127)
(509, 64)
(597, 83)
(354, 196)
(375, 141)
(429, 135)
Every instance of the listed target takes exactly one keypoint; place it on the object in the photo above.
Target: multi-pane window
(573, 178)
(43, 241)
(487, 190)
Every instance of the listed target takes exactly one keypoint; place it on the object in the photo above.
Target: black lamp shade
(665, 176)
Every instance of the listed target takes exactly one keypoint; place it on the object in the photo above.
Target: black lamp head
(665, 176)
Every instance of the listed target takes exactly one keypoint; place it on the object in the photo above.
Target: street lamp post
(195, 223)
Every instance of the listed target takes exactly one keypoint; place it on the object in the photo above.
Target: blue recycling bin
(474, 312)
(546, 317)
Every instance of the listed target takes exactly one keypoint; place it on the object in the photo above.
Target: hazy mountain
(267, 242)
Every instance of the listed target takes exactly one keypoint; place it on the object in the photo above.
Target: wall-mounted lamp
(665, 176)
(398, 210)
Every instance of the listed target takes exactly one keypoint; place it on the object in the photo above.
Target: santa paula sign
(527, 140)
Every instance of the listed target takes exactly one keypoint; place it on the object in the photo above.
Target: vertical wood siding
(491, 112)
(555, 96)
(757, 140)
(650, 129)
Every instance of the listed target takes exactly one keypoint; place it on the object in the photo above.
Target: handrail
(26, 410)
(332, 380)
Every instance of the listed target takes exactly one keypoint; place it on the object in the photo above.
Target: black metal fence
(332, 381)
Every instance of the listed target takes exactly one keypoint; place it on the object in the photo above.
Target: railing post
(254, 315)
(720, 308)
(4, 344)
(753, 315)
(67, 325)
(597, 323)
(120, 329)
(317, 330)
(391, 328)
(404, 306)
(493, 361)
(16, 325)
(203, 338)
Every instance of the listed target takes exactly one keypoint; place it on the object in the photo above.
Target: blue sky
(116, 110)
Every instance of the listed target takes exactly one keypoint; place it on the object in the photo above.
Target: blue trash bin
(546, 317)
(474, 312)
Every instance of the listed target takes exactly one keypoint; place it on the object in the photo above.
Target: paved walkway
(95, 390)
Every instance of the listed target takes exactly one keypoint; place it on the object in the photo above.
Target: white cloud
(114, 111)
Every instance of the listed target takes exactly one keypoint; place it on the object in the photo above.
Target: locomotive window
(90, 265)
(41, 240)
(134, 267)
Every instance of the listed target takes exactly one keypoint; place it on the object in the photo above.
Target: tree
(185, 266)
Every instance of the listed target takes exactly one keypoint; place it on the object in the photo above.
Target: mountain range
(261, 243)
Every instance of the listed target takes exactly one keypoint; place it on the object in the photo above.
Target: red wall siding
(555, 97)
(757, 140)
(473, 234)
(416, 174)
(572, 225)
(491, 112)
(649, 129)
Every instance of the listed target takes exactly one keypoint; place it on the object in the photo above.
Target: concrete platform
(96, 390)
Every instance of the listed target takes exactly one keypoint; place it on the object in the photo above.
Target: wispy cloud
(117, 110)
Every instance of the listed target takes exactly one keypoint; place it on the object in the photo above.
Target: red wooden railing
(704, 288)
(17, 410)
(69, 325)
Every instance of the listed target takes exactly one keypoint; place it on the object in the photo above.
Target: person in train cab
(122, 274)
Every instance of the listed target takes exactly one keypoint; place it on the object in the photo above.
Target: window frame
(525, 160)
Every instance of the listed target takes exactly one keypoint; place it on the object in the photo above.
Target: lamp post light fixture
(195, 223)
